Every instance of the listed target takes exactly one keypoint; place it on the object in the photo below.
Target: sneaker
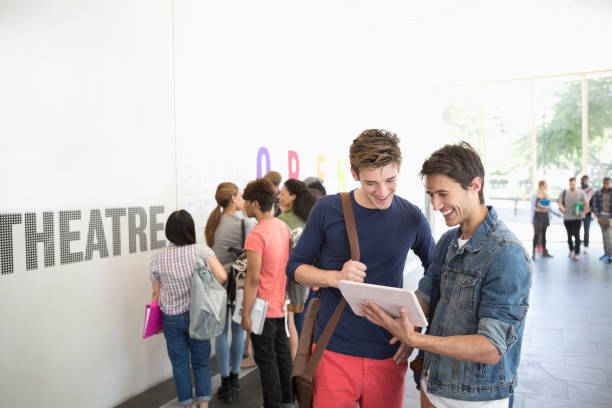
(571, 254)
(575, 257)
(585, 250)
(603, 257)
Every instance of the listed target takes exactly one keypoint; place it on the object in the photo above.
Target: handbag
(307, 359)
(207, 301)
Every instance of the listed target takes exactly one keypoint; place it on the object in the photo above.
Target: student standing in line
(297, 200)
(540, 203)
(171, 271)
(573, 205)
(359, 365)
(602, 207)
(275, 178)
(588, 191)
(267, 248)
(224, 235)
(479, 284)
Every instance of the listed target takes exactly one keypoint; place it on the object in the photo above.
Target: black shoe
(235, 385)
(224, 393)
(533, 256)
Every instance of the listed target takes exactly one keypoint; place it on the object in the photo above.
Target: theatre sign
(49, 227)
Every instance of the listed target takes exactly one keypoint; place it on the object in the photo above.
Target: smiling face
(456, 204)
(378, 185)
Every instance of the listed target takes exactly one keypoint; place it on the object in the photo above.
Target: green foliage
(559, 141)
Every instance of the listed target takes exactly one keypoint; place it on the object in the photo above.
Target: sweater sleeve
(310, 243)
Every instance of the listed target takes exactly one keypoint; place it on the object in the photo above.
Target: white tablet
(386, 297)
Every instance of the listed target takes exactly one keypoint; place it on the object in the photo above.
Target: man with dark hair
(475, 293)
(359, 364)
(602, 207)
(573, 205)
(267, 249)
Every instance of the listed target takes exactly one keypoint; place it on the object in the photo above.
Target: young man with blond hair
(359, 365)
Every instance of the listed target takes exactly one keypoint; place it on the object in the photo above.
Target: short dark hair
(606, 179)
(572, 179)
(457, 161)
(316, 185)
(180, 229)
(262, 191)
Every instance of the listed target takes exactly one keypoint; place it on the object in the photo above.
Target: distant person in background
(298, 201)
(171, 271)
(588, 191)
(540, 203)
(573, 205)
(224, 235)
(316, 188)
(602, 207)
(275, 178)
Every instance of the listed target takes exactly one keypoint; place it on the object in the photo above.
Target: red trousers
(340, 381)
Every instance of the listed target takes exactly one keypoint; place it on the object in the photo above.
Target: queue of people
(474, 292)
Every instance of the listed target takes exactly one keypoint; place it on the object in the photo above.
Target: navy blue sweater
(385, 237)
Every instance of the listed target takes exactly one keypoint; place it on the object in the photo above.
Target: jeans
(273, 358)
(180, 345)
(573, 231)
(587, 227)
(224, 353)
(606, 233)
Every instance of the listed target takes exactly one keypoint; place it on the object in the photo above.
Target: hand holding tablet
(388, 298)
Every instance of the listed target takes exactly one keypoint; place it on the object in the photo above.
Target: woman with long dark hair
(171, 270)
(298, 200)
(224, 235)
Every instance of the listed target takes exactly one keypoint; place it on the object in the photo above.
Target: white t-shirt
(442, 402)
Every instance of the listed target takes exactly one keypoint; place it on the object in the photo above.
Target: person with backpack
(297, 200)
(225, 233)
(573, 205)
(172, 268)
(267, 249)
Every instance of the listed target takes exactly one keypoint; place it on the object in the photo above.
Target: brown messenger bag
(307, 360)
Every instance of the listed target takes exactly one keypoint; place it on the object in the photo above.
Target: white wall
(87, 123)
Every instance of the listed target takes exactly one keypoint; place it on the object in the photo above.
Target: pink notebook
(152, 321)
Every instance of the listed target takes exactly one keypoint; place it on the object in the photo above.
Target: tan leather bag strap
(351, 229)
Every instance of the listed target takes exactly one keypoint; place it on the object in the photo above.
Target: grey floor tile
(537, 401)
(592, 394)
(587, 360)
(575, 374)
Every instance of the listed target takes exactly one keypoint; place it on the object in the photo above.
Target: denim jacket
(484, 289)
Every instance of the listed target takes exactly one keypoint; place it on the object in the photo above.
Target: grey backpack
(207, 303)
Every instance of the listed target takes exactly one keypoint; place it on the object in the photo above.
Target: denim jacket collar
(481, 234)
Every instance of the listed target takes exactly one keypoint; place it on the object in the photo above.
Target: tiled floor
(567, 350)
